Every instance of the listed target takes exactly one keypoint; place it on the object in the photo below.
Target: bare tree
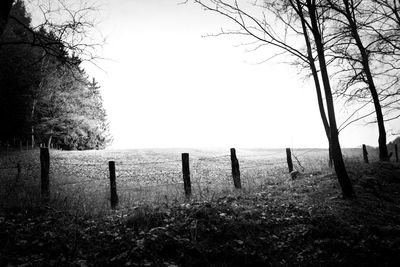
(385, 52)
(290, 13)
(387, 28)
(352, 22)
(336, 150)
(262, 31)
(287, 12)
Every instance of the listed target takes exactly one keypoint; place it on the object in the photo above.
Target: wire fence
(157, 175)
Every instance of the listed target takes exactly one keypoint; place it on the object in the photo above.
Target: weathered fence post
(44, 173)
(396, 153)
(19, 171)
(235, 169)
(365, 153)
(113, 185)
(289, 159)
(186, 175)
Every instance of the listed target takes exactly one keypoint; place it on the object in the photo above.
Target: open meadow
(81, 178)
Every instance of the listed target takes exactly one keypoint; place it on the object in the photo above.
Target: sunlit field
(80, 179)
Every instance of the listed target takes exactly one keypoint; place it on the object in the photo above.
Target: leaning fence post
(235, 169)
(19, 171)
(365, 154)
(44, 173)
(186, 175)
(113, 185)
(289, 159)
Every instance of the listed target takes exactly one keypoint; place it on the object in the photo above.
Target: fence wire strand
(132, 176)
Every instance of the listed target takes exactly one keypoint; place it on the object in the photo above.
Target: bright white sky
(167, 86)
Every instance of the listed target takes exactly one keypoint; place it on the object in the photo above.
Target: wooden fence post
(289, 159)
(396, 153)
(186, 175)
(44, 173)
(19, 171)
(113, 185)
(365, 153)
(235, 169)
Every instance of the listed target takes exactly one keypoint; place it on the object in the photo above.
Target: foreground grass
(303, 222)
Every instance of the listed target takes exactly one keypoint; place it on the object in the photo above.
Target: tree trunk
(5, 8)
(337, 156)
(383, 152)
(316, 80)
(330, 161)
(49, 141)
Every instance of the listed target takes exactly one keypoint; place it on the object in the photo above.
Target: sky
(164, 84)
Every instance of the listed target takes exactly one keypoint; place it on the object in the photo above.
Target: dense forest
(45, 95)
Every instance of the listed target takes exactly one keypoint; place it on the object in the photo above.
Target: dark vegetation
(392, 144)
(302, 222)
(45, 96)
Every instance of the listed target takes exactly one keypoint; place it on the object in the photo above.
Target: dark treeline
(46, 97)
(393, 143)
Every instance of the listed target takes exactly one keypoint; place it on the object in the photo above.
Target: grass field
(273, 221)
(81, 178)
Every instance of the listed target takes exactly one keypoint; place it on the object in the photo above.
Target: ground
(304, 222)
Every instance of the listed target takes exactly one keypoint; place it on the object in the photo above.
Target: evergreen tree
(50, 99)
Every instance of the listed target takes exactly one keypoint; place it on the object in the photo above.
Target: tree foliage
(47, 98)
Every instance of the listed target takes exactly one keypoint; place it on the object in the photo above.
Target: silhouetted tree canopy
(43, 97)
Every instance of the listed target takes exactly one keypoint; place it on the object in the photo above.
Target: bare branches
(278, 24)
(60, 28)
(258, 27)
